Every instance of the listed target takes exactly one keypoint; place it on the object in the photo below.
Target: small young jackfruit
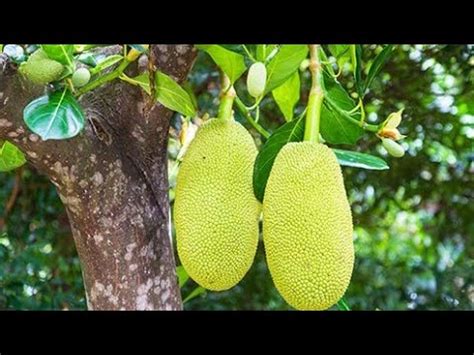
(40, 69)
(216, 213)
(81, 77)
(307, 227)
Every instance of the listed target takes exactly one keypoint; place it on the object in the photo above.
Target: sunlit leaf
(171, 95)
(287, 95)
(62, 53)
(232, 63)
(183, 276)
(284, 64)
(10, 157)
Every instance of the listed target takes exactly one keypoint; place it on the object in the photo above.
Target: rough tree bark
(112, 179)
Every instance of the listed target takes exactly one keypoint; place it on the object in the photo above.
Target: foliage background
(414, 229)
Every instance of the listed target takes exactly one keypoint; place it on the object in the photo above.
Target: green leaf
(10, 157)
(287, 95)
(232, 63)
(141, 80)
(171, 95)
(196, 292)
(379, 61)
(54, 116)
(341, 52)
(168, 92)
(342, 305)
(189, 89)
(360, 160)
(88, 58)
(62, 53)
(105, 63)
(237, 48)
(183, 276)
(335, 127)
(357, 67)
(292, 131)
(262, 51)
(324, 58)
(284, 64)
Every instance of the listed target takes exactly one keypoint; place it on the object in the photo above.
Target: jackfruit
(81, 77)
(307, 227)
(40, 69)
(216, 213)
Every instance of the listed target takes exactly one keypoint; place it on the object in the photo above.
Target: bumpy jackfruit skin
(40, 69)
(307, 227)
(216, 213)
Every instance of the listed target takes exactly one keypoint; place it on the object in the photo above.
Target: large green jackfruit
(40, 69)
(307, 227)
(216, 213)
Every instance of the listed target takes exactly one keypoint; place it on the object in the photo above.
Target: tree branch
(112, 179)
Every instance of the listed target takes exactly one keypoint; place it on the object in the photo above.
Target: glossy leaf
(232, 63)
(88, 58)
(54, 116)
(379, 61)
(62, 53)
(360, 160)
(10, 157)
(335, 127)
(292, 131)
(171, 95)
(287, 95)
(284, 64)
(168, 92)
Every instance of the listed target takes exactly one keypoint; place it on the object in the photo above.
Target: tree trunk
(112, 179)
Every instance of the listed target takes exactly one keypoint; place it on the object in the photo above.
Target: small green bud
(393, 148)
(81, 77)
(256, 79)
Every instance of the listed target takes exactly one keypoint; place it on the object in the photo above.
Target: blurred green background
(414, 223)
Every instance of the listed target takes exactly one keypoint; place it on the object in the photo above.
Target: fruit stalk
(316, 96)
(227, 99)
(104, 79)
